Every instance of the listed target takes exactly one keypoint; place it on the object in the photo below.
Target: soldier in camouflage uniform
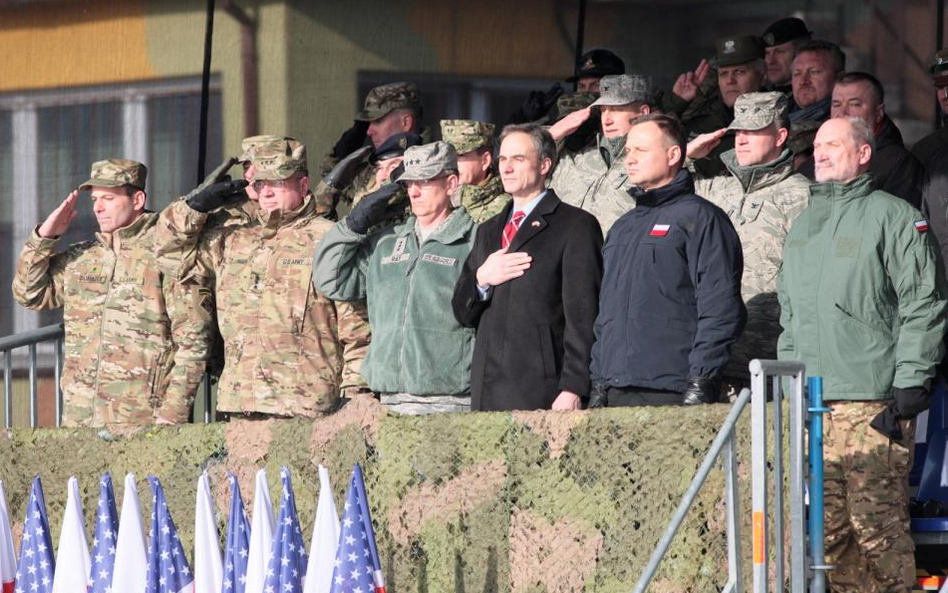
(761, 195)
(136, 342)
(594, 179)
(389, 109)
(289, 350)
(481, 192)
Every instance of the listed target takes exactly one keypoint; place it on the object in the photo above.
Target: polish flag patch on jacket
(921, 225)
(660, 230)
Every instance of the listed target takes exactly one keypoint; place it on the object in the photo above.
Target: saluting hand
(688, 83)
(59, 219)
(501, 266)
(703, 144)
(570, 123)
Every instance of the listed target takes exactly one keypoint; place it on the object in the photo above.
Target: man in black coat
(894, 168)
(671, 305)
(531, 287)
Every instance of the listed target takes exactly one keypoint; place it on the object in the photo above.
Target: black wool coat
(535, 332)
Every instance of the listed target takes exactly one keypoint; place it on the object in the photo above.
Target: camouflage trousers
(419, 405)
(867, 502)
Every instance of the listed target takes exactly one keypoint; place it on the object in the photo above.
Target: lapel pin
(535, 223)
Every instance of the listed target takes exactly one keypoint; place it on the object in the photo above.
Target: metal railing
(30, 340)
(724, 444)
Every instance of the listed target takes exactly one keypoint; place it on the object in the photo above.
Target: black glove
(905, 405)
(373, 209)
(351, 140)
(536, 105)
(700, 390)
(345, 170)
(216, 195)
(217, 175)
(598, 395)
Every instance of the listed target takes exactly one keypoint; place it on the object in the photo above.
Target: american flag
(238, 542)
(357, 560)
(34, 572)
(168, 570)
(103, 542)
(288, 555)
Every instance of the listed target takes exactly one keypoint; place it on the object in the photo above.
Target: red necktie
(510, 229)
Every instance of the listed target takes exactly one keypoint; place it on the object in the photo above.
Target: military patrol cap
(249, 145)
(466, 135)
(786, 30)
(939, 66)
(756, 111)
(597, 63)
(428, 161)
(396, 145)
(116, 173)
(570, 102)
(279, 162)
(624, 89)
(738, 49)
(384, 99)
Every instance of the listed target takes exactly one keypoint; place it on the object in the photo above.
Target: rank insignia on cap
(921, 225)
(588, 64)
(729, 46)
(659, 230)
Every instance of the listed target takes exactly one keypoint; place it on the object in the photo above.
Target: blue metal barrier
(817, 552)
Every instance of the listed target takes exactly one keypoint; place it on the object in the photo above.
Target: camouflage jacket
(136, 342)
(483, 201)
(418, 346)
(595, 181)
(289, 350)
(762, 201)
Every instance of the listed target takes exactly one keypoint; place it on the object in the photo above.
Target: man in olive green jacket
(863, 305)
(420, 356)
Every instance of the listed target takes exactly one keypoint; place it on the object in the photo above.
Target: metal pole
(33, 418)
(57, 390)
(778, 483)
(759, 479)
(817, 555)
(706, 466)
(8, 389)
(207, 397)
(205, 89)
(797, 480)
(735, 575)
(580, 36)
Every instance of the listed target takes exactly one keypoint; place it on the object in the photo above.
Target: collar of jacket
(681, 185)
(610, 149)
(454, 227)
(756, 177)
(841, 192)
(483, 192)
(131, 233)
(281, 218)
(889, 135)
(819, 111)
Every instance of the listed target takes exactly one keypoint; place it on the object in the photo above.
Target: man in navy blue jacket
(670, 306)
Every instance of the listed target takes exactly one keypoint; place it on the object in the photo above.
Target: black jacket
(670, 306)
(534, 332)
(895, 169)
(935, 201)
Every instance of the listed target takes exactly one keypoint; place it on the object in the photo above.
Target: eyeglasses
(259, 185)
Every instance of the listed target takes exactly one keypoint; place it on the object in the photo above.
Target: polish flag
(208, 569)
(72, 557)
(322, 550)
(921, 225)
(131, 561)
(261, 535)
(7, 557)
(659, 230)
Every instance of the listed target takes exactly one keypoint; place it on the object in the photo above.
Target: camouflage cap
(428, 161)
(939, 66)
(279, 161)
(396, 145)
(624, 89)
(756, 111)
(801, 136)
(116, 173)
(249, 145)
(597, 63)
(466, 135)
(382, 100)
(738, 49)
(786, 30)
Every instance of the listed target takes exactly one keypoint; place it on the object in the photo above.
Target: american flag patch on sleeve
(921, 225)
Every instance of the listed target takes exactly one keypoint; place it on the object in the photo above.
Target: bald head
(842, 150)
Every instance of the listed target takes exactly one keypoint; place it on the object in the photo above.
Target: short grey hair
(860, 132)
(542, 141)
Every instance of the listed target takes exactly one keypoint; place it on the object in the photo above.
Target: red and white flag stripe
(659, 230)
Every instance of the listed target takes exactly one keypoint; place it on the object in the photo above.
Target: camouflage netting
(525, 502)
